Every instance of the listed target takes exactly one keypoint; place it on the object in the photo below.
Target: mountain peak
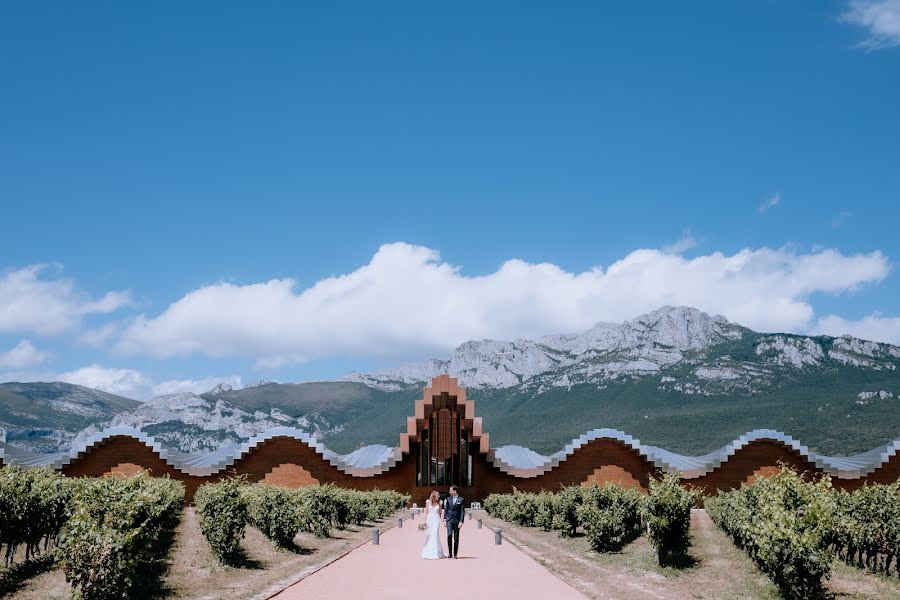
(220, 389)
(259, 383)
(645, 344)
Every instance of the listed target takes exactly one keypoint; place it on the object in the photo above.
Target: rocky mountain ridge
(655, 375)
(190, 422)
(646, 345)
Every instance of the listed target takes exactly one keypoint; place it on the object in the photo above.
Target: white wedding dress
(432, 549)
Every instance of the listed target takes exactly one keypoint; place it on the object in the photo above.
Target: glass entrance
(444, 455)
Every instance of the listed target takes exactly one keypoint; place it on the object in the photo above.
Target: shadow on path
(12, 580)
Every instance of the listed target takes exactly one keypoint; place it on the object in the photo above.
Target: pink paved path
(393, 571)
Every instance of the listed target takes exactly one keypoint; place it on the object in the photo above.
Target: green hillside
(38, 415)
(816, 405)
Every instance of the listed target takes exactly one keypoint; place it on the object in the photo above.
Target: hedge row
(34, 506)
(222, 514)
(866, 530)
(225, 509)
(120, 529)
(785, 524)
(610, 516)
(667, 511)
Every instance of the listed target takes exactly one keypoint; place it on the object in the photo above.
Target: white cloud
(123, 382)
(48, 305)
(770, 202)
(197, 386)
(131, 383)
(871, 327)
(22, 356)
(406, 302)
(685, 243)
(881, 18)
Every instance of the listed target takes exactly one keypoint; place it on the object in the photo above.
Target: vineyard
(226, 508)
(793, 528)
(608, 515)
(107, 537)
(110, 537)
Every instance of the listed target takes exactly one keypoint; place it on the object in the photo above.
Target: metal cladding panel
(518, 461)
(514, 461)
(363, 464)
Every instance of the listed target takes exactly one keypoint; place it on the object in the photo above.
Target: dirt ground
(195, 574)
(719, 570)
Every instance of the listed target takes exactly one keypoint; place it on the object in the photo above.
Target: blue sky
(186, 173)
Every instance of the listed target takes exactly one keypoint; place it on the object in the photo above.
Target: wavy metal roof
(365, 462)
(522, 462)
(518, 461)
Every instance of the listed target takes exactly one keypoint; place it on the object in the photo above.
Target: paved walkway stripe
(393, 571)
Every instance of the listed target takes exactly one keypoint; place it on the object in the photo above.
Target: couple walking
(452, 514)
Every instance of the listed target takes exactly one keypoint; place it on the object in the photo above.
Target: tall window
(444, 455)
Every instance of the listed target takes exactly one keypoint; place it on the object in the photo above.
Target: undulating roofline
(517, 461)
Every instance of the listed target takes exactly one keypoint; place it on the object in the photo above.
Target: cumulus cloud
(132, 383)
(685, 243)
(770, 202)
(35, 299)
(197, 386)
(22, 356)
(123, 382)
(871, 327)
(881, 19)
(407, 302)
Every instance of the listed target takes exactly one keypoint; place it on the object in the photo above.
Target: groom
(454, 514)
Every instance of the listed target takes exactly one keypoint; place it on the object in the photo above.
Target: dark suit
(454, 514)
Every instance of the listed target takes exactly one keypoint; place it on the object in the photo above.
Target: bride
(433, 513)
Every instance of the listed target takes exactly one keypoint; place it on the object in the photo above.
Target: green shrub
(497, 505)
(34, 506)
(667, 512)
(318, 508)
(275, 511)
(610, 516)
(119, 530)
(785, 524)
(866, 529)
(544, 511)
(565, 517)
(222, 514)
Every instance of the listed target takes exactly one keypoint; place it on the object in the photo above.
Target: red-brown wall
(289, 462)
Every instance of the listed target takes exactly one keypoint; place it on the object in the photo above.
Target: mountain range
(677, 378)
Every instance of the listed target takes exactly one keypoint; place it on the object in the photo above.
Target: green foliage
(273, 510)
(222, 513)
(545, 507)
(867, 526)
(520, 508)
(119, 530)
(565, 517)
(785, 524)
(319, 509)
(34, 506)
(33, 416)
(225, 508)
(667, 512)
(610, 516)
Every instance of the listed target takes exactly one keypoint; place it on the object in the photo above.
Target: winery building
(446, 443)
